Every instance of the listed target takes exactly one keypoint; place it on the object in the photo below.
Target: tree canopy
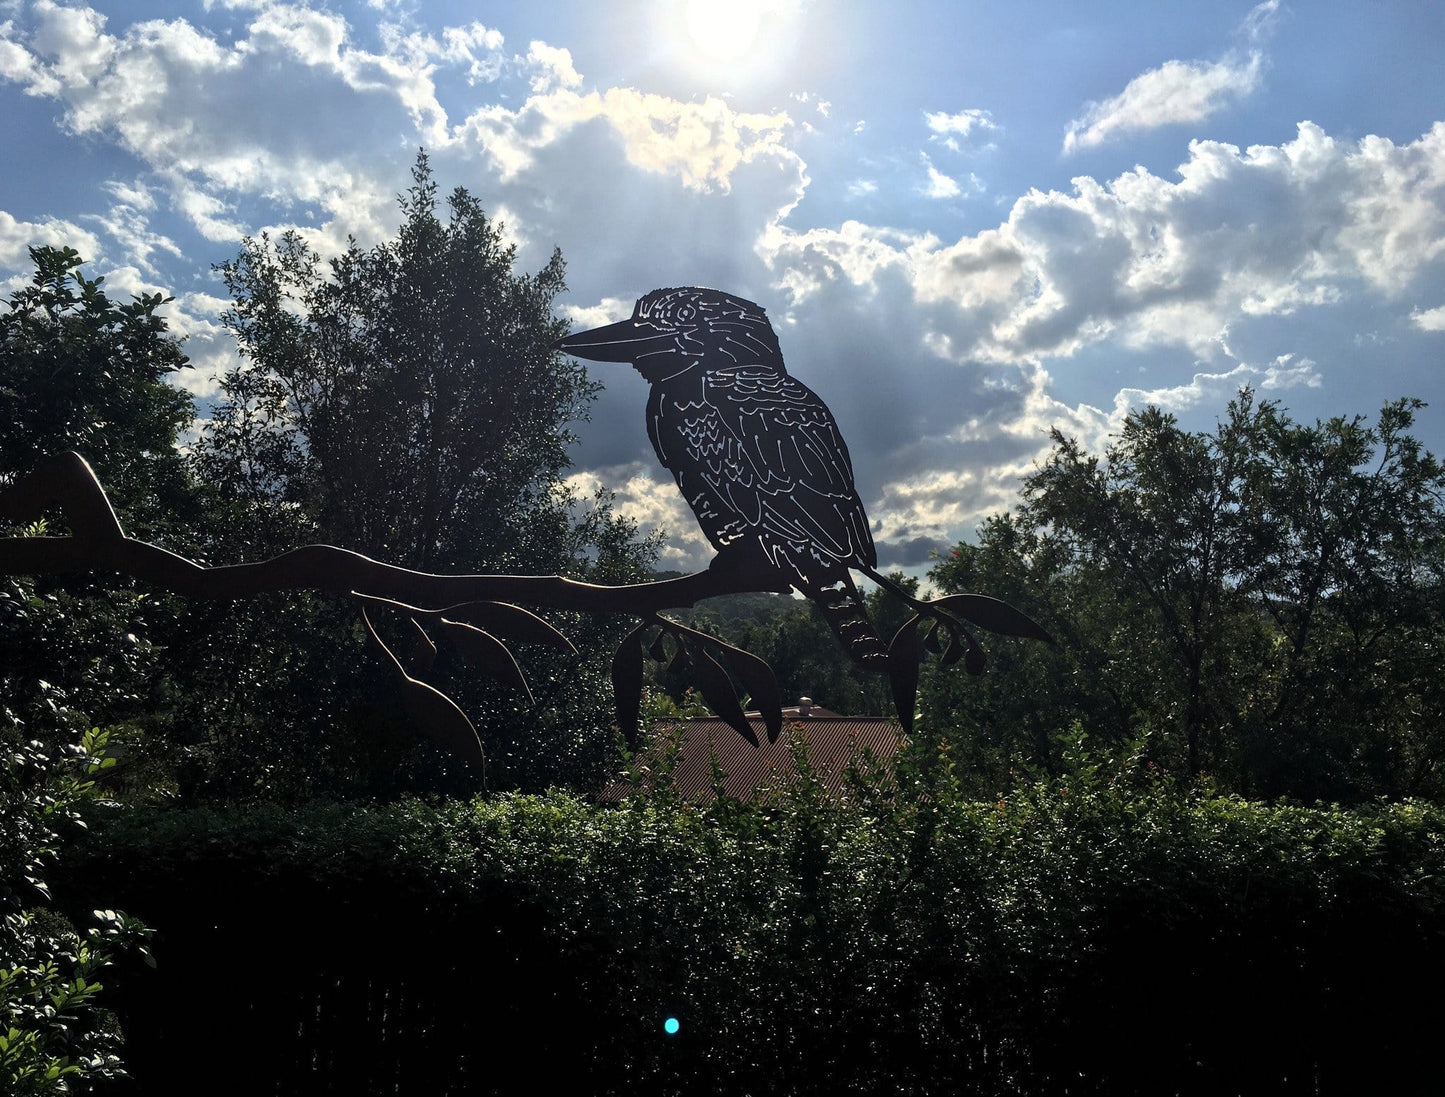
(81, 371)
(403, 401)
(1261, 600)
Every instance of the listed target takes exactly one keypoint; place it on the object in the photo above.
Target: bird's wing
(787, 471)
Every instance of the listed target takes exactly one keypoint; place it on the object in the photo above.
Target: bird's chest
(685, 426)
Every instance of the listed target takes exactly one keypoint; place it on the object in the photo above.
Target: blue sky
(968, 222)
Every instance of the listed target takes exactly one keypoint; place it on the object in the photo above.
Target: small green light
(671, 1025)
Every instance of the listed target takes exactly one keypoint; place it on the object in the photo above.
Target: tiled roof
(832, 742)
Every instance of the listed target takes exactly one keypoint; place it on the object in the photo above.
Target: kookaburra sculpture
(757, 453)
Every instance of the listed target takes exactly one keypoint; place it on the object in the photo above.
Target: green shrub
(1098, 933)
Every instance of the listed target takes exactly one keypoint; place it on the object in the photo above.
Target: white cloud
(702, 144)
(654, 503)
(964, 123)
(940, 185)
(1150, 262)
(1177, 91)
(1429, 319)
(16, 237)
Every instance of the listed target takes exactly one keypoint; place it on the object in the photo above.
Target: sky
(969, 223)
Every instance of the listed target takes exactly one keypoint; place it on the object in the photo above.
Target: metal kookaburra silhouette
(756, 452)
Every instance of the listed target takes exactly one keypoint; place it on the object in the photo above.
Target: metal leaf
(627, 684)
(423, 649)
(717, 691)
(931, 641)
(488, 654)
(903, 656)
(513, 622)
(758, 679)
(435, 714)
(992, 614)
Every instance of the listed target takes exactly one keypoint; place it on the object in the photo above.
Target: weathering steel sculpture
(755, 452)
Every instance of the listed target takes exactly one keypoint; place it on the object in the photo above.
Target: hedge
(1071, 938)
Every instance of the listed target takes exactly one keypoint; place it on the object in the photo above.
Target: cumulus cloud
(17, 237)
(655, 504)
(950, 129)
(702, 144)
(1148, 261)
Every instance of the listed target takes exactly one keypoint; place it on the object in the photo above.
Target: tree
(1259, 599)
(81, 371)
(402, 401)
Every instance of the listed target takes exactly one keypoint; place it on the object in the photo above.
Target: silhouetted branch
(98, 543)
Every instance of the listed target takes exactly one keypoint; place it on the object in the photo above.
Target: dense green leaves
(81, 371)
(1259, 602)
(403, 401)
(1097, 933)
(53, 1032)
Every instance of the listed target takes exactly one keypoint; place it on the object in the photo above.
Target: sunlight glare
(724, 29)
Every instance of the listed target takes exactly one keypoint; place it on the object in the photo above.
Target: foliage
(1257, 601)
(81, 371)
(53, 1033)
(402, 401)
(792, 637)
(1099, 932)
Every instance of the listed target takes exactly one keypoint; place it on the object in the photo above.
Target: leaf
(758, 679)
(717, 691)
(434, 713)
(903, 656)
(513, 622)
(931, 641)
(423, 650)
(627, 683)
(488, 654)
(992, 614)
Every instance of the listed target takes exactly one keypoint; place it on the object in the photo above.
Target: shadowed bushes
(1078, 936)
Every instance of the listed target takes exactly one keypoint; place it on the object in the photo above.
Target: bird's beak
(624, 341)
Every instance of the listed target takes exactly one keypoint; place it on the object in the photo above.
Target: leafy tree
(81, 371)
(1257, 600)
(403, 401)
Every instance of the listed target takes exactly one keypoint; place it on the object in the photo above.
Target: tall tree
(1259, 598)
(81, 371)
(403, 401)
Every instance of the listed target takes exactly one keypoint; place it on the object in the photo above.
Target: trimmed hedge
(1068, 939)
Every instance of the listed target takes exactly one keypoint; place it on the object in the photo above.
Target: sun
(724, 29)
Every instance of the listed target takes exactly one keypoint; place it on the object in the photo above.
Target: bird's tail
(843, 609)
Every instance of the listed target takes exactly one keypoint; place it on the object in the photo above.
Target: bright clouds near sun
(939, 323)
(701, 144)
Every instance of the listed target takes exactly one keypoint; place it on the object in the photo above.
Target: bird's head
(671, 329)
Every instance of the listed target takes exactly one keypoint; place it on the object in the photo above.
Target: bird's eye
(686, 313)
